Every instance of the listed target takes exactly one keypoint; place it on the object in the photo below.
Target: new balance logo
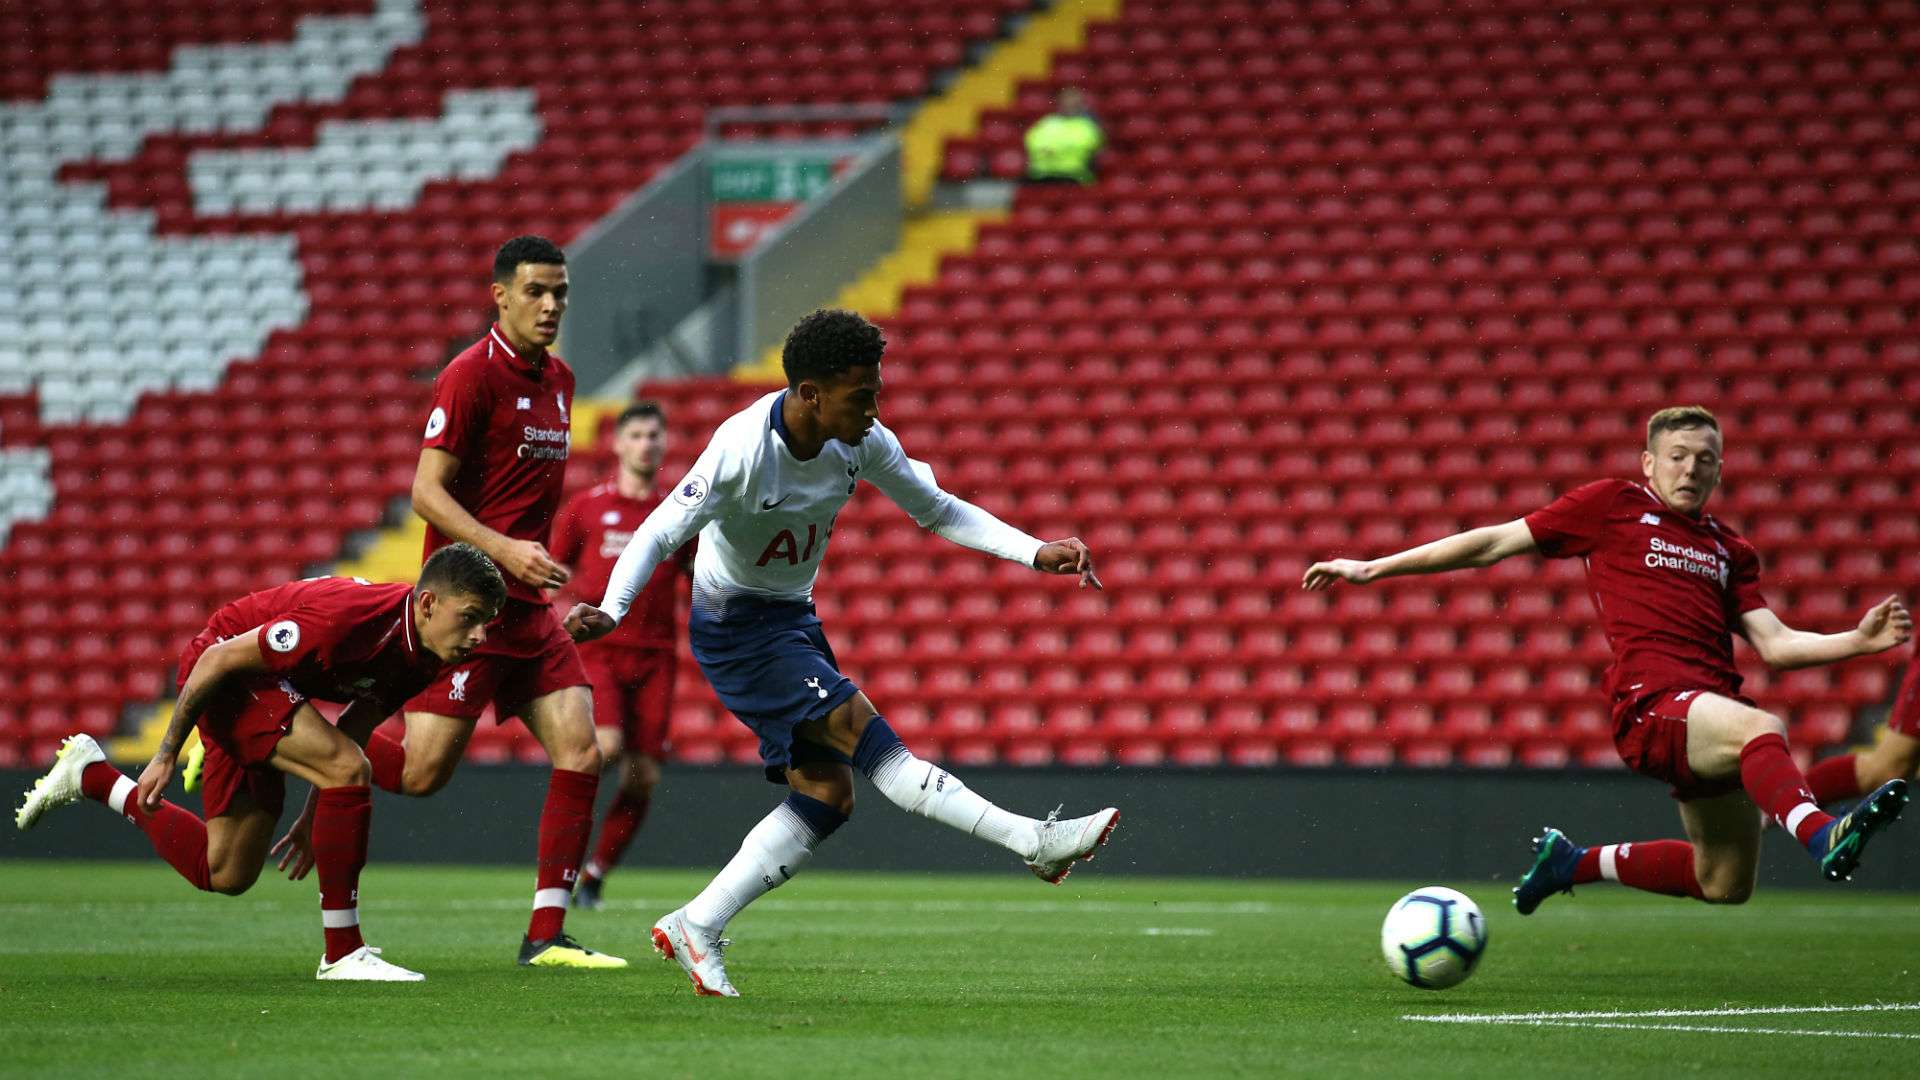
(523, 403)
(458, 691)
(1649, 519)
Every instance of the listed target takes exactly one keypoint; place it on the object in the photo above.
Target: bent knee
(421, 782)
(232, 881)
(1729, 892)
(584, 758)
(1757, 723)
(349, 770)
(1725, 885)
(840, 799)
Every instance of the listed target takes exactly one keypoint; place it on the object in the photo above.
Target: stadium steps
(956, 113)
(923, 243)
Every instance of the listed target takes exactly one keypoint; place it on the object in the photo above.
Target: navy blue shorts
(771, 666)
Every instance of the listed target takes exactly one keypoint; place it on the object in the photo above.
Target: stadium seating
(1356, 276)
(271, 223)
(1353, 276)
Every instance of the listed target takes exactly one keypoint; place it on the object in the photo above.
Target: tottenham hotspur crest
(813, 683)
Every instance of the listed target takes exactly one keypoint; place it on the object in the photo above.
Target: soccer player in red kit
(248, 681)
(1672, 585)
(633, 668)
(1895, 756)
(491, 470)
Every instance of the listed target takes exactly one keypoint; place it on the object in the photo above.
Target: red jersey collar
(497, 344)
(408, 641)
(1705, 520)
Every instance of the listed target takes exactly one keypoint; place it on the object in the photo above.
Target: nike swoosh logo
(929, 779)
(770, 504)
(694, 954)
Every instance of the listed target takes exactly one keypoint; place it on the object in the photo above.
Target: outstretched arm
(1887, 624)
(1475, 547)
(911, 486)
(683, 513)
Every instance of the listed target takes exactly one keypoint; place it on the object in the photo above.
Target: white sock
(123, 788)
(1610, 861)
(772, 852)
(921, 787)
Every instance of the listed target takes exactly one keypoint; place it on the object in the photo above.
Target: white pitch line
(1659, 1014)
(1714, 1030)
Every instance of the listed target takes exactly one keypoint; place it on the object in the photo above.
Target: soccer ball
(1433, 937)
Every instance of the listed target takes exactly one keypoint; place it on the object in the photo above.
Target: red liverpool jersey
(592, 531)
(1670, 589)
(507, 419)
(336, 639)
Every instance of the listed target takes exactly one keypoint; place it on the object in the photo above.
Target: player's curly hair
(465, 570)
(525, 249)
(827, 343)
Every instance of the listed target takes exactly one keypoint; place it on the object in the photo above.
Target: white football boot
(61, 785)
(701, 954)
(1063, 843)
(364, 965)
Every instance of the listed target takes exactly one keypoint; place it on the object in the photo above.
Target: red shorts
(527, 655)
(1905, 717)
(1650, 732)
(240, 727)
(633, 691)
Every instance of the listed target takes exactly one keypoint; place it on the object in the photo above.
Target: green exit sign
(788, 180)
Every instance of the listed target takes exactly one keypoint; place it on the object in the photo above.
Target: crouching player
(248, 681)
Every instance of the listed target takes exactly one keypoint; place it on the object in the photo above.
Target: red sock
(341, 820)
(389, 760)
(1587, 871)
(565, 823)
(1779, 789)
(1655, 866)
(616, 832)
(1834, 780)
(177, 835)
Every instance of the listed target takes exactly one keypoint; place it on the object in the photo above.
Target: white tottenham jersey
(764, 516)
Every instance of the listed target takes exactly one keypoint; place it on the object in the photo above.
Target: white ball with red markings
(1434, 937)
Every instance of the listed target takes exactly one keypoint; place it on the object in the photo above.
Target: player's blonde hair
(1677, 418)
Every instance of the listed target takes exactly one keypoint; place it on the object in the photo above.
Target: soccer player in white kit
(763, 498)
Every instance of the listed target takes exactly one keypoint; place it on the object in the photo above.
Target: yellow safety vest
(1063, 147)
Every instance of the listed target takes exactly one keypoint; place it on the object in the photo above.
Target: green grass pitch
(122, 970)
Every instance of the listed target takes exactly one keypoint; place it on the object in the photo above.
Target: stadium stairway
(956, 113)
(925, 240)
(1349, 280)
(340, 171)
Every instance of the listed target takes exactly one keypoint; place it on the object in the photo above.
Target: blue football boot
(1555, 858)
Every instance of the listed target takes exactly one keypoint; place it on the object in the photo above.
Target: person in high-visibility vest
(1061, 147)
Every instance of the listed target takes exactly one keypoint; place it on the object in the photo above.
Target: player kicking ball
(248, 681)
(1672, 585)
(763, 497)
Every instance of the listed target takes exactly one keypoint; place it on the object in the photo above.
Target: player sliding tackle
(1672, 585)
(248, 680)
(763, 496)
